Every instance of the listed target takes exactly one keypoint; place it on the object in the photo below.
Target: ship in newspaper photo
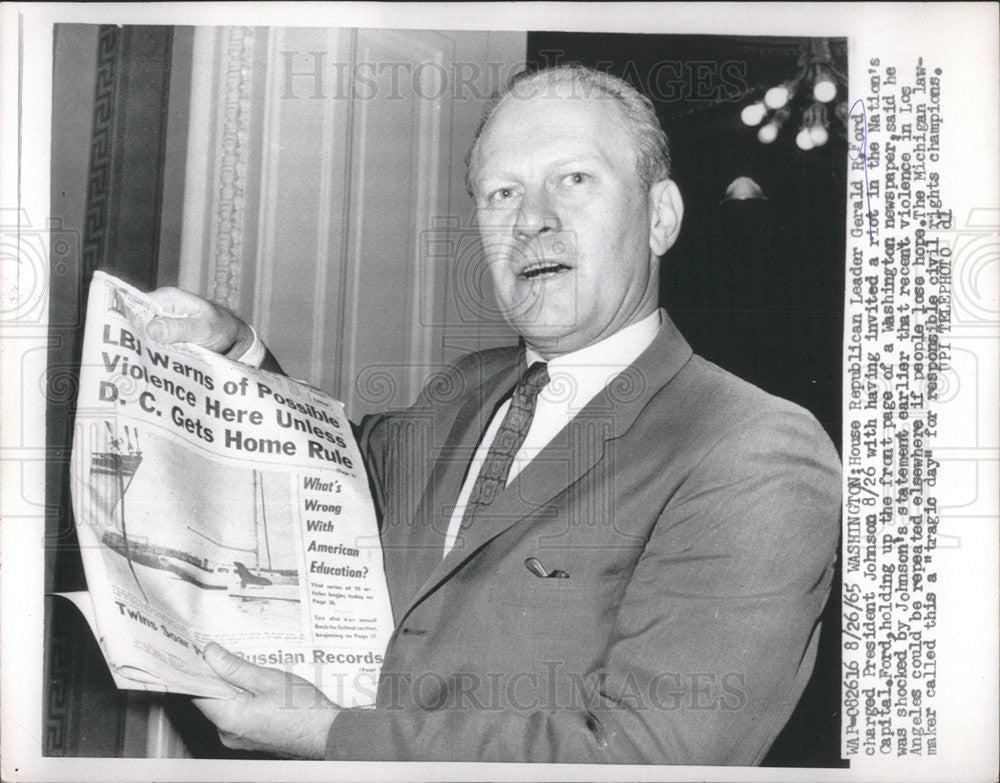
(157, 536)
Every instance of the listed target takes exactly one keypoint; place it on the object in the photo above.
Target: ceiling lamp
(743, 189)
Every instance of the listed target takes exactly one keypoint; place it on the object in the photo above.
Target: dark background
(755, 286)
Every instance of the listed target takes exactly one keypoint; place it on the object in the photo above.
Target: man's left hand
(278, 712)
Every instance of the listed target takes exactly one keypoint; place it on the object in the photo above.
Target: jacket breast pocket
(543, 619)
(540, 594)
(555, 617)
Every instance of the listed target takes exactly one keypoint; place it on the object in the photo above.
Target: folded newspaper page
(218, 502)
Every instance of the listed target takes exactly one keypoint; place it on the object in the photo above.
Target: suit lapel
(575, 450)
(426, 531)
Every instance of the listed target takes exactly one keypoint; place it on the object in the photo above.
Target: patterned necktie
(493, 474)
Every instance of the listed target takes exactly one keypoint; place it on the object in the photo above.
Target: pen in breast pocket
(534, 565)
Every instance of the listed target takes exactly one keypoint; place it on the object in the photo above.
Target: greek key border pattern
(62, 692)
(101, 147)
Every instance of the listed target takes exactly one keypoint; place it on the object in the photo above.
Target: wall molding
(234, 150)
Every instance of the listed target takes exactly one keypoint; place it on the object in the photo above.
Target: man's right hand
(191, 319)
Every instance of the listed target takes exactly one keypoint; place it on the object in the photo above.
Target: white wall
(325, 198)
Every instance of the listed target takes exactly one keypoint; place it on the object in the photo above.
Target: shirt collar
(618, 350)
(579, 376)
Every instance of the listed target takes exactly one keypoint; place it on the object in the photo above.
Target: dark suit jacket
(697, 518)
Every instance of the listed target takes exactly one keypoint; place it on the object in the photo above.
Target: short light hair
(652, 147)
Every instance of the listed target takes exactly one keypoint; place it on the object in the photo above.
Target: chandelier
(810, 95)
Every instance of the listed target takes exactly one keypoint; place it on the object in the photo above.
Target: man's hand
(196, 320)
(278, 712)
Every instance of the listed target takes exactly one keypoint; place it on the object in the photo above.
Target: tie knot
(534, 379)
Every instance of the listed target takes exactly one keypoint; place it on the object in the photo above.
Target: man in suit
(599, 547)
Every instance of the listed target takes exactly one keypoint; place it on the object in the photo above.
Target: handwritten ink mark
(863, 156)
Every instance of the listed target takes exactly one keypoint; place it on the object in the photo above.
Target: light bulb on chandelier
(824, 91)
(753, 114)
(767, 133)
(777, 97)
(818, 135)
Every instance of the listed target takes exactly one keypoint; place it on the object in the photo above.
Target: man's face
(564, 219)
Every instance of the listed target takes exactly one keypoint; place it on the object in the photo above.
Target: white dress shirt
(574, 380)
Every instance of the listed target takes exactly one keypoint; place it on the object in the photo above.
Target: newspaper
(218, 502)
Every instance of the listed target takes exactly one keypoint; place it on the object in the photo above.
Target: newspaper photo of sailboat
(198, 538)
(260, 580)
